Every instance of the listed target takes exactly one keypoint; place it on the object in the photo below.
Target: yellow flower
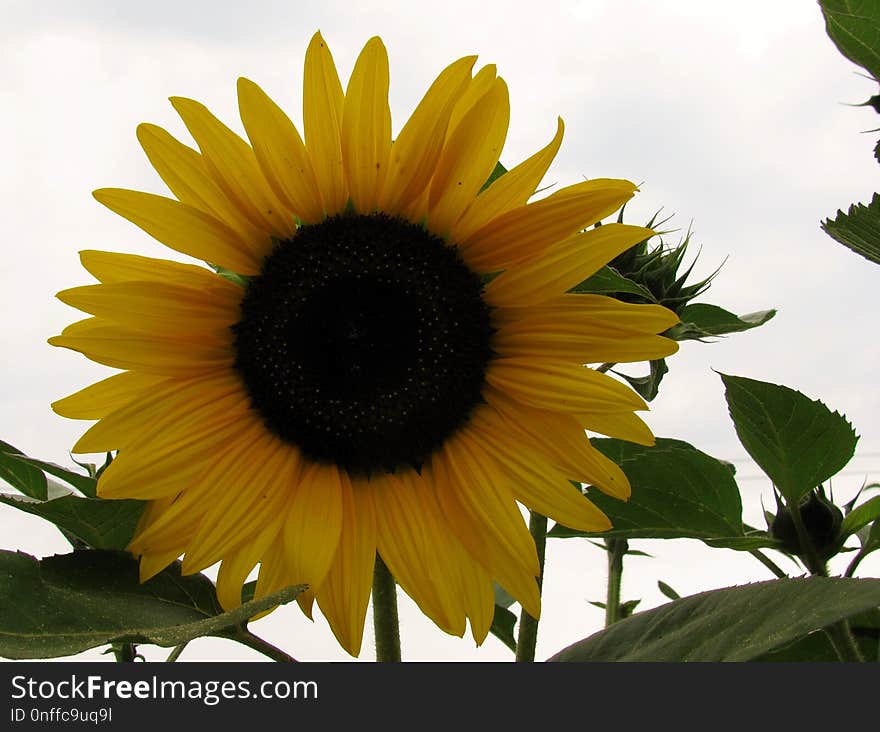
(349, 383)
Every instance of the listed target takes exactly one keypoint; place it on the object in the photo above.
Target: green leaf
(85, 484)
(648, 386)
(21, 476)
(502, 627)
(702, 320)
(861, 516)
(608, 281)
(858, 229)
(817, 648)
(854, 26)
(496, 174)
(66, 604)
(797, 442)
(732, 624)
(677, 492)
(667, 590)
(100, 524)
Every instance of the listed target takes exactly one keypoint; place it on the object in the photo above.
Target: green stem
(386, 626)
(616, 549)
(125, 652)
(856, 561)
(767, 562)
(245, 637)
(840, 633)
(175, 654)
(527, 639)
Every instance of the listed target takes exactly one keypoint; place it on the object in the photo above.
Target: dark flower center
(364, 341)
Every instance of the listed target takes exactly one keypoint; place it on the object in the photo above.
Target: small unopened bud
(821, 519)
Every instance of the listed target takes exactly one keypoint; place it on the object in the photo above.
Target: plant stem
(767, 562)
(386, 626)
(527, 640)
(245, 637)
(125, 652)
(175, 654)
(605, 367)
(839, 633)
(857, 559)
(616, 549)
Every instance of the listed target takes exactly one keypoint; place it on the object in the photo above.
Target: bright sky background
(730, 115)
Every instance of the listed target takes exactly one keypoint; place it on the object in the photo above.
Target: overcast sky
(731, 116)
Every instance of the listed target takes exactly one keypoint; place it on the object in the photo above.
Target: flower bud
(821, 519)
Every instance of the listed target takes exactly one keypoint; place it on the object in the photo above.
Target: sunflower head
(384, 356)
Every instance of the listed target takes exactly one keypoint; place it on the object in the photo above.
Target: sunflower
(383, 358)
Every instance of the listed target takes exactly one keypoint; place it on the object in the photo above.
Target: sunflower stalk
(527, 640)
(616, 549)
(386, 626)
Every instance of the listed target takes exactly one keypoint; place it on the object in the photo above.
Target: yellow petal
(417, 149)
(114, 346)
(139, 472)
(509, 191)
(623, 426)
(468, 158)
(534, 481)
(280, 152)
(113, 267)
(234, 168)
(366, 127)
(598, 313)
(186, 176)
(185, 229)
(157, 409)
(195, 490)
(100, 399)
(169, 531)
(345, 593)
(483, 492)
(561, 387)
(237, 565)
(566, 335)
(322, 124)
(159, 308)
(475, 90)
(479, 542)
(563, 265)
(313, 525)
(151, 564)
(251, 493)
(413, 547)
(477, 593)
(528, 231)
(560, 438)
